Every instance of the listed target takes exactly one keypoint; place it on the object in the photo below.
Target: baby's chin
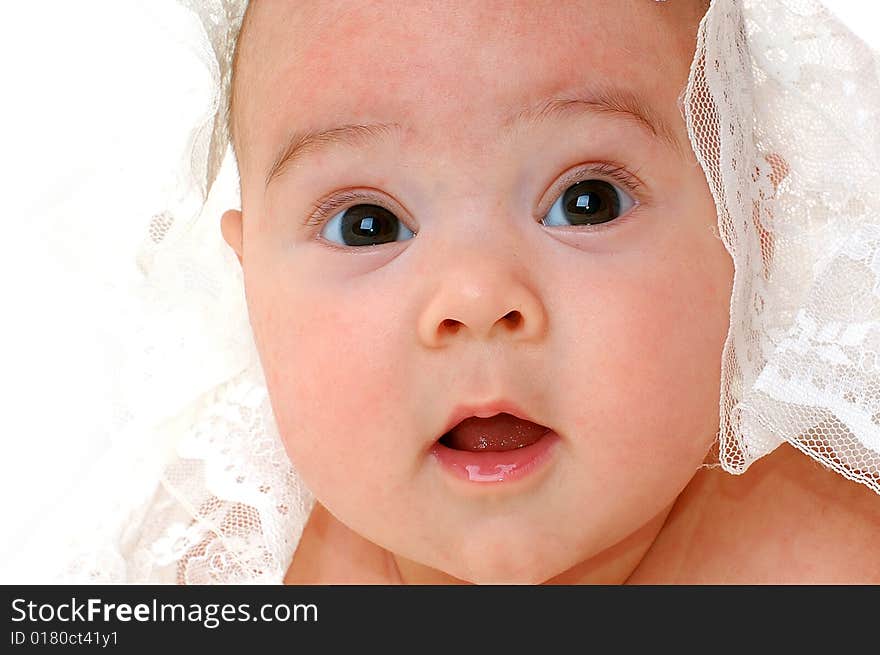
(503, 571)
(496, 562)
(524, 577)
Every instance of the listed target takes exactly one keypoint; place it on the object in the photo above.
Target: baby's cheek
(330, 367)
(653, 378)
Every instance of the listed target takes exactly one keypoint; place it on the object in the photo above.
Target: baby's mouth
(497, 433)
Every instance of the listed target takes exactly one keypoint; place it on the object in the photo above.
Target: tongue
(500, 432)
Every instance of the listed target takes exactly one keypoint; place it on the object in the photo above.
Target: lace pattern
(795, 188)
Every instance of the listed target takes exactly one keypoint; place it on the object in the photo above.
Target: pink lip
(487, 410)
(496, 466)
(493, 466)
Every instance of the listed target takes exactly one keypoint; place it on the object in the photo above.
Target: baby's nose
(480, 299)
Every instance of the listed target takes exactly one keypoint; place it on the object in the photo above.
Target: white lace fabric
(784, 115)
(783, 111)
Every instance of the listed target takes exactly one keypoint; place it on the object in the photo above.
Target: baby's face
(424, 262)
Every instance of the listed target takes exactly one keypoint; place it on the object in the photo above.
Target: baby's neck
(787, 520)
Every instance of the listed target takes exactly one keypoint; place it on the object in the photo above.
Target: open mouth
(498, 433)
(500, 448)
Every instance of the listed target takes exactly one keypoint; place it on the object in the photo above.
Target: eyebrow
(613, 101)
(606, 100)
(303, 142)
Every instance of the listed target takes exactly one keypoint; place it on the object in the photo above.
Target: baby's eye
(365, 225)
(589, 202)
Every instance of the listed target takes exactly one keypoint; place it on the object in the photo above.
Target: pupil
(584, 206)
(591, 202)
(366, 225)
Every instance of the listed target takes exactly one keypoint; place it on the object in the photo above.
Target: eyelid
(610, 170)
(326, 208)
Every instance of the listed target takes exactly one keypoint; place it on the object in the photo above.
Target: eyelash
(617, 172)
(326, 208)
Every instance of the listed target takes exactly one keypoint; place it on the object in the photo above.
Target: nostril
(451, 325)
(514, 318)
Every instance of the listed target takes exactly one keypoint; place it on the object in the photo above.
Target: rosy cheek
(331, 367)
(651, 380)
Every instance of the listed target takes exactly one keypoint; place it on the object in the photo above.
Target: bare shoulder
(330, 553)
(787, 520)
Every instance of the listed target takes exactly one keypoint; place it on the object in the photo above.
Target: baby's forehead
(307, 65)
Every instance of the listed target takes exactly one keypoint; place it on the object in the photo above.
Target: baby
(490, 302)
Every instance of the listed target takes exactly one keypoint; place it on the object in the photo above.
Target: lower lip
(496, 466)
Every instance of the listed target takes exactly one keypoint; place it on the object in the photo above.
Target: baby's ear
(230, 226)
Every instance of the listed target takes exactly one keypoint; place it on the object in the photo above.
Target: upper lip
(485, 410)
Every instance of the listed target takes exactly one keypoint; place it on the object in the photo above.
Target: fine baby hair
(780, 108)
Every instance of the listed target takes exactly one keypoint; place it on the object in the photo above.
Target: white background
(85, 85)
